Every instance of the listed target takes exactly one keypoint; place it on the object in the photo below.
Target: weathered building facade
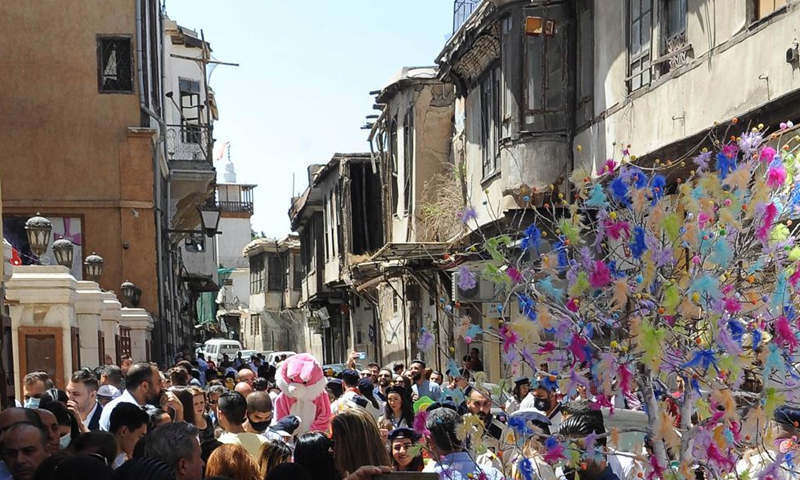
(340, 223)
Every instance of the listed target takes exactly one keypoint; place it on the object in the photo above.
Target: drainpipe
(162, 134)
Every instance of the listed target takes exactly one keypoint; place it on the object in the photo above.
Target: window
(297, 274)
(190, 110)
(275, 273)
(640, 18)
(256, 275)
(490, 121)
(762, 8)
(114, 64)
(547, 60)
(255, 324)
(408, 161)
(393, 160)
(674, 44)
(195, 243)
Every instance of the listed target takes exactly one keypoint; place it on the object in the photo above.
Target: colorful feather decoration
(619, 298)
(784, 334)
(619, 191)
(600, 276)
(546, 286)
(770, 214)
(555, 451)
(419, 423)
(638, 245)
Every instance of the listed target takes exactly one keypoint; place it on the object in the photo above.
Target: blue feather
(722, 253)
(619, 191)
(547, 287)
(706, 285)
(702, 359)
(737, 331)
(532, 237)
(779, 297)
(756, 339)
(561, 250)
(527, 306)
(525, 467)
(658, 186)
(724, 165)
(597, 198)
(638, 246)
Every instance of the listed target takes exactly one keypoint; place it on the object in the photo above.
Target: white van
(215, 348)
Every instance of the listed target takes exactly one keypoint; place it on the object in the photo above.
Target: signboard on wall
(70, 228)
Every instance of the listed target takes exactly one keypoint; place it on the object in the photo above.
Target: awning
(411, 251)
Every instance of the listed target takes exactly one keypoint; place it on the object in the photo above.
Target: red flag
(15, 258)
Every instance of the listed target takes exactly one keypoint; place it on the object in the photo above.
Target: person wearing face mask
(33, 387)
(68, 429)
(544, 400)
(259, 412)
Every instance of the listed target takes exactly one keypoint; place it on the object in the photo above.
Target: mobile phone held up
(362, 356)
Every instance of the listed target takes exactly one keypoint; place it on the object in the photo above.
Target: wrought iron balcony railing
(236, 207)
(188, 142)
(462, 9)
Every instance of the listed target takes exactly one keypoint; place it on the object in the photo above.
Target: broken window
(408, 161)
(547, 79)
(190, 110)
(366, 224)
(762, 8)
(297, 273)
(255, 324)
(490, 121)
(394, 166)
(640, 18)
(115, 64)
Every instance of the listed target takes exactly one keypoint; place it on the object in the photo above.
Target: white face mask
(65, 441)
(32, 403)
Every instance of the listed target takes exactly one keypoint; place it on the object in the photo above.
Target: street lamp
(38, 230)
(93, 267)
(209, 218)
(62, 250)
(131, 293)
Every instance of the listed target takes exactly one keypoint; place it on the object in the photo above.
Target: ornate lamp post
(209, 217)
(131, 293)
(38, 230)
(93, 267)
(63, 251)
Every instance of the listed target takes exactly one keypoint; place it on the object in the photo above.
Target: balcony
(188, 143)
(236, 207)
(462, 9)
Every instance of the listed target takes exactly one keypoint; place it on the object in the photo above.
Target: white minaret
(229, 176)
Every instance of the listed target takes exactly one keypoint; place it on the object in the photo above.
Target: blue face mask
(64, 442)
(32, 402)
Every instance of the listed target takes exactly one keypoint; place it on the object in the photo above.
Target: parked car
(335, 369)
(272, 358)
(215, 348)
(246, 354)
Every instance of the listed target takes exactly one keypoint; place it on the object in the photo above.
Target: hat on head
(404, 432)
(366, 386)
(108, 391)
(286, 426)
(350, 376)
(417, 360)
(335, 386)
(521, 381)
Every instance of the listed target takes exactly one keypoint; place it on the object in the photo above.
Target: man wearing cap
(106, 393)
(283, 430)
(367, 390)
(422, 387)
(351, 392)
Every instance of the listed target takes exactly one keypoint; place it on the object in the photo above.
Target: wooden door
(42, 349)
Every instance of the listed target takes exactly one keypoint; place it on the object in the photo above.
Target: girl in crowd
(314, 451)
(402, 440)
(357, 441)
(399, 411)
(273, 453)
(201, 419)
(521, 388)
(232, 461)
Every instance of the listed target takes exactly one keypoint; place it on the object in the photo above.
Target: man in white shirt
(142, 387)
(232, 408)
(82, 394)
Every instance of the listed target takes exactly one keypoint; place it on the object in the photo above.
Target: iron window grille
(115, 64)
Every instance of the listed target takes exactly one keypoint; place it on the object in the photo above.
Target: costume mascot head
(303, 394)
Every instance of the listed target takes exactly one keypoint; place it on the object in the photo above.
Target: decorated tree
(685, 269)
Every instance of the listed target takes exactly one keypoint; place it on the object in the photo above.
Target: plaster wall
(236, 234)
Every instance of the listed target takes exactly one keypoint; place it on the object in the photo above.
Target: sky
(301, 92)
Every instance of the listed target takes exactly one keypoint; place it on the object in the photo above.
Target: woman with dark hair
(399, 410)
(273, 453)
(522, 386)
(99, 443)
(67, 424)
(186, 398)
(73, 467)
(314, 451)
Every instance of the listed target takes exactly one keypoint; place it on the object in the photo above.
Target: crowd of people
(199, 420)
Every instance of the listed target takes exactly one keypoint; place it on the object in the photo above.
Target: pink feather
(600, 276)
(784, 334)
(625, 379)
(419, 423)
(795, 277)
(716, 456)
(554, 454)
(548, 347)
(776, 177)
(655, 470)
(616, 230)
(770, 213)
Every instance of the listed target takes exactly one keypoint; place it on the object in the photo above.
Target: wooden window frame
(645, 56)
(58, 334)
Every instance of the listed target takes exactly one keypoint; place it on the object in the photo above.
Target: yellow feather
(760, 194)
(545, 319)
(613, 437)
(640, 201)
(665, 430)
(727, 217)
(656, 218)
(725, 399)
(689, 203)
(691, 234)
(739, 178)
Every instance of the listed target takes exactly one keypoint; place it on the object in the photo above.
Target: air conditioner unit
(483, 291)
